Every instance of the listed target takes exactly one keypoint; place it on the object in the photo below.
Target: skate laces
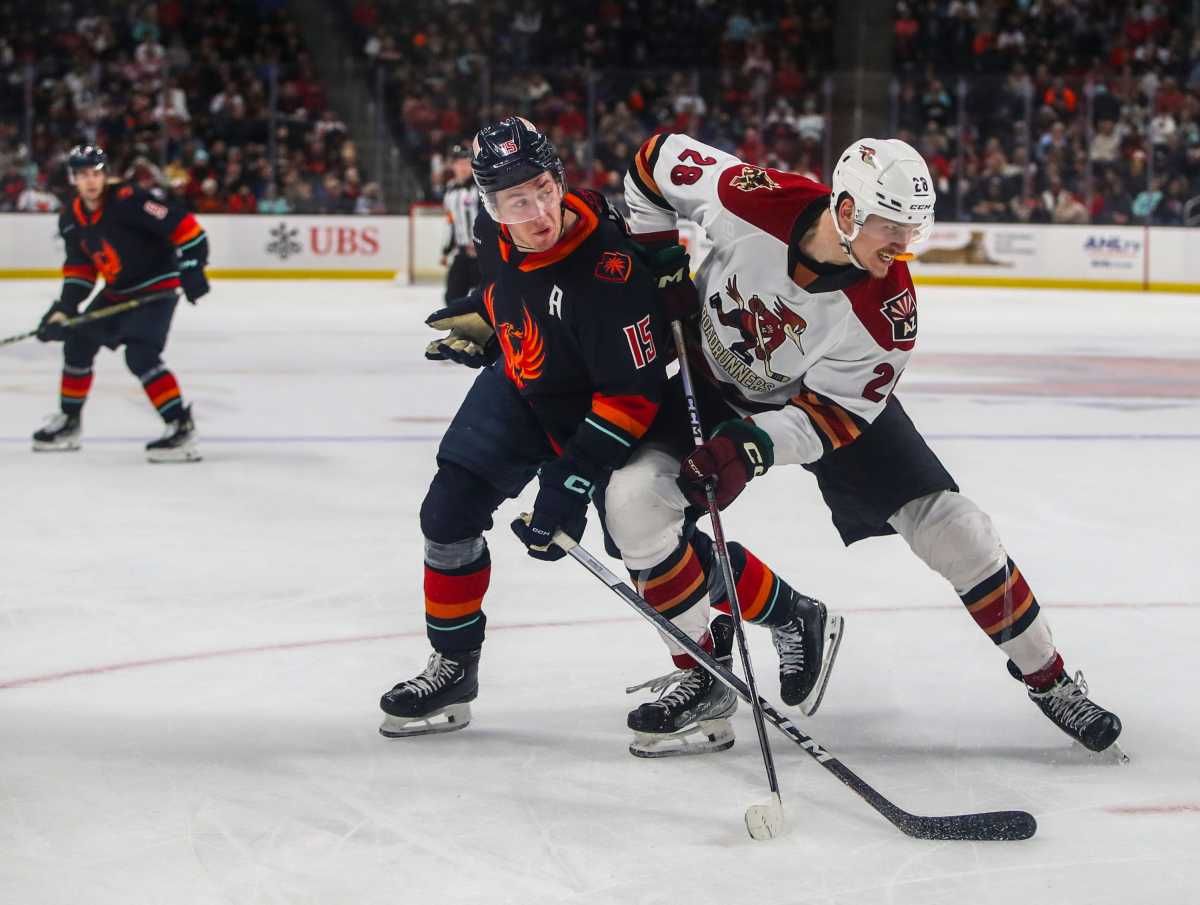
(1068, 703)
(690, 681)
(56, 421)
(789, 644)
(437, 672)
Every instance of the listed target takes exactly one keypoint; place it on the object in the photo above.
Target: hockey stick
(763, 821)
(990, 826)
(119, 308)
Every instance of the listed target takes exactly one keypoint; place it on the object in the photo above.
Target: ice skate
(438, 700)
(59, 434)
(693, 718)
(807, 645)
(1066, 704)
(178, 442)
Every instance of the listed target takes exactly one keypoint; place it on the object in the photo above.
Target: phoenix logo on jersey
(523, 349)
(901, 311)
(106, 260)
(751, 178)
(763, 329)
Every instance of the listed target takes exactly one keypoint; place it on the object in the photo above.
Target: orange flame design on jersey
(524, 351)
(106, 260)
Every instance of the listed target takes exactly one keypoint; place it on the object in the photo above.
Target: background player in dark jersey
(461, 202)
(141, 245)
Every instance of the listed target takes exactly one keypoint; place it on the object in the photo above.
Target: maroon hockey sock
(1047, 675)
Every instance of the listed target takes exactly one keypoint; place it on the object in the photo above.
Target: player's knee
(79, 352)
(141, 358)
(458, 505)
(953, 536)
(644, 508)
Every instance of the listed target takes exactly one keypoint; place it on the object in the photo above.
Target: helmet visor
(884, 231)
(530, 200)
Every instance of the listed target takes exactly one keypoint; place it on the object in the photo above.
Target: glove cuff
(755, 446)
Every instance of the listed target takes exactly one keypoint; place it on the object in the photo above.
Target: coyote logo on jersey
(763, 329)
(524, 351)
(751, 178)
(901, 311)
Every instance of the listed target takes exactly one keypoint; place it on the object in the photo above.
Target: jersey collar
(808, 273)
(584, 226)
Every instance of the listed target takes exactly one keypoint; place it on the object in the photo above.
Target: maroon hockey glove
(736, 452)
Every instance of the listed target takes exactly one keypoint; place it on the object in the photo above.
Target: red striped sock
(163, 390)
(73, 390)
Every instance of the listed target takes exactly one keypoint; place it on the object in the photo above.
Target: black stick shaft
(735, 608)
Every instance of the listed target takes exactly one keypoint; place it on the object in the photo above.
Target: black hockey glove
(471, 341)
(193, 280)
(51, 327)
(673, 277)
(561, 505)
(736, 452)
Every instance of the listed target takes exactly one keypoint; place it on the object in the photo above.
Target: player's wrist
(754, 446)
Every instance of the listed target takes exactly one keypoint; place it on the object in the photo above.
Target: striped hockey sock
(765, 598)
(1002, 604)
(74, 388)
(454, 618)
(163, 391)
(673, 587)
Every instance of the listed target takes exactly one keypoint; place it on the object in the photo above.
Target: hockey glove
(193, 280)
(51, 327)
(673, 277)
(736, 452)
(471, 342)
(561, 505)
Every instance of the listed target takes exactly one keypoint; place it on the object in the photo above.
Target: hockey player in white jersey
(807, 319)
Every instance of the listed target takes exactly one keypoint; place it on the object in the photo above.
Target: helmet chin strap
(845, 241)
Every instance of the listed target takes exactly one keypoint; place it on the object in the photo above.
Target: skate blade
(457, 716)
(705, 737)
(56, 445)
(1112, 754)
(187, 453)
(834, 627)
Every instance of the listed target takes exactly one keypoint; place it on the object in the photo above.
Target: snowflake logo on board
(901, 312)
(283, 242)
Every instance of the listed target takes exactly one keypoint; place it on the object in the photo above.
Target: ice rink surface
(192, 655)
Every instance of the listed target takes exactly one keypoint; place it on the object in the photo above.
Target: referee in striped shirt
(461, 202)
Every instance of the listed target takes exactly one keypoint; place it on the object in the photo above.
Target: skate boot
(693, 718)
(1066, 704)
(60, 434)
(438, 700)
(178, 442)
(807, 645)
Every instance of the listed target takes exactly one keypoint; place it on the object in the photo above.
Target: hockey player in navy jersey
(140, 244)
(807, 319)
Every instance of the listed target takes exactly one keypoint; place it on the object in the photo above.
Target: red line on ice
(385, 636)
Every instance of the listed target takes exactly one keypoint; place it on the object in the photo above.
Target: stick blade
(993, 826)
(765, 821)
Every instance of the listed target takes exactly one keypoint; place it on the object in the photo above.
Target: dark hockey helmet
(86, 157)
(460, 152)
(509, 153)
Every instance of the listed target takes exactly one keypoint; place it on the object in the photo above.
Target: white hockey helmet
(886, 177)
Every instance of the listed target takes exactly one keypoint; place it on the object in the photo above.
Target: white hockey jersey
(811, 351)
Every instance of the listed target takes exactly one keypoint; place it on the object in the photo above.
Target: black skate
(694, 717)
(60, 434)
(807, 645)
(178, 442)
(444, 690)
(1068, 707)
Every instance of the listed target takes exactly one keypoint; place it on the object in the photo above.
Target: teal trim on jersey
(200, 238)
(165, 276)
(605, 430)
(452, 628)
(78, 282)
(771, 606)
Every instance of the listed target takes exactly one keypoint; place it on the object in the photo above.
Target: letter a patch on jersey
(901, 310)
(614, 267)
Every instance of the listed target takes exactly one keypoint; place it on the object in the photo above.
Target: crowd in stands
(1065, 111)
(178, 94)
